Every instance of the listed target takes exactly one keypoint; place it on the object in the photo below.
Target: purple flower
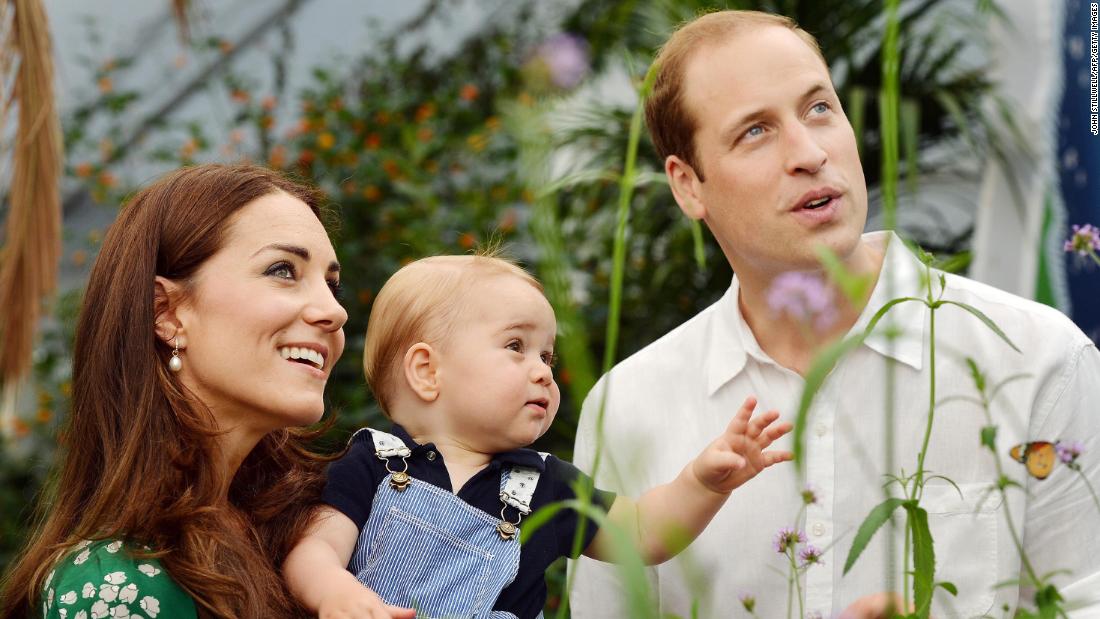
(810, 555)
(805, 297)
(1085, 239)
(787, 537)
(565, 57)
(748, 601)
(1069, 451)
(810, 495)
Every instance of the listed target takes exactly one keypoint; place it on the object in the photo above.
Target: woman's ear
(166, 299)
(420, 365)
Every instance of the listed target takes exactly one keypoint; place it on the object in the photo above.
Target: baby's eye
(515, 345)
(549, 358)
(282, 270)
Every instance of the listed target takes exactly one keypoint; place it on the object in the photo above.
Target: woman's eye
(337, 289)
(282, 270)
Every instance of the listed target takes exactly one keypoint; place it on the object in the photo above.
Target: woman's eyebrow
(301, 252)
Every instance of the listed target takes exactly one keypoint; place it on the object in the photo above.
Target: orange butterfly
(1038, 456)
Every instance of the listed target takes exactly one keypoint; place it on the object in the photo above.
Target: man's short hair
(671, 125)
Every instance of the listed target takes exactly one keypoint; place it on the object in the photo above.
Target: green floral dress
(100, 580)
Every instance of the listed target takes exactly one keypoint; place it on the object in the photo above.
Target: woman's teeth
(302, 354)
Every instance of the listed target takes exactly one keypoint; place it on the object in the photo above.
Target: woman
(209, 328)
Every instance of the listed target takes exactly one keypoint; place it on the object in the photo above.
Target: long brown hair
(138, 456)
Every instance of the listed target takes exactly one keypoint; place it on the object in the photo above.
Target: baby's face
(495, 374)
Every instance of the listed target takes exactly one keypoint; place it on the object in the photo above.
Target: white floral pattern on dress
(108, 593)
(88, 591)
(115, 578)
(128, 593)
(67, 598)
(150, 605)
(148, 570)
(121, 611)
(82, 557)
(81, 615)
(99, 609)
(113, 547)
(63, 612)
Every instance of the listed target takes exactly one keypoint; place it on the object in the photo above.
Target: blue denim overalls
(425, 548)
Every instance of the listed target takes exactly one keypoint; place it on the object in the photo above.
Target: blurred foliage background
(422, 152)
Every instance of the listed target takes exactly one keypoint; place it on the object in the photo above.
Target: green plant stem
(1092, 492)
(797, 585)
(626, 192)
(1095, 258)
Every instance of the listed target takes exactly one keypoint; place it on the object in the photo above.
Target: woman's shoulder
(105, 579)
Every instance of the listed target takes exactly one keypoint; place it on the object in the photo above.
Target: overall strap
(517, 486)
(387, 445)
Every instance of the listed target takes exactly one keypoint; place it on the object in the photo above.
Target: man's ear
(166, 299)
(685, 187)
(420, 369)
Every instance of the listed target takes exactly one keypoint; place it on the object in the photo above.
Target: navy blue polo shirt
(353, 480)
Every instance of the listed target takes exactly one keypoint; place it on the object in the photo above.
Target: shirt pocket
(415, 563)
(965, 538)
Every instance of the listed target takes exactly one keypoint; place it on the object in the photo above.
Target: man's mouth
(305, 356)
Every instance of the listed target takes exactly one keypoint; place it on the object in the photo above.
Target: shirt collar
(902, 275)
(732, 342)
(518, 457)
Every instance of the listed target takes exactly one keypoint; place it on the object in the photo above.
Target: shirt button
(431, 456)
(818, 529)
(821, 429)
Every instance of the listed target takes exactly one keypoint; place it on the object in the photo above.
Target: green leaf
(820, 368)
(948, 587)
(976, 375)
(854, 287)
(989, 438)
(1048, 601)
(924, 558)
(871, 524)
(536, 520)
(985, 319)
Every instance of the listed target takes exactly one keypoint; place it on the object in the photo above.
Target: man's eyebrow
(301, 252)
(733, 131)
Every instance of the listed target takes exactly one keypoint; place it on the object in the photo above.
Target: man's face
(778, 154)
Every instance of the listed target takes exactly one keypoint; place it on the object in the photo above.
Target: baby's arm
(315, 573)
(668, 517)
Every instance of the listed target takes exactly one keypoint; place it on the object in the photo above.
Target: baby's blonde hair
(421, 302)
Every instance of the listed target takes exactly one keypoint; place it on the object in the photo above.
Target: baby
(424, 520)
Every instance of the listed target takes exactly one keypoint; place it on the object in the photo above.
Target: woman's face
(261, 327)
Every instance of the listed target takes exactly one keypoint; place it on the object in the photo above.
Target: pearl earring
(175, 363)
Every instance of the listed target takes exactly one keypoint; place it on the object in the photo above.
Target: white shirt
(672, 398)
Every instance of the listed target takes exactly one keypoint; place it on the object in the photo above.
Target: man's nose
(804, 153)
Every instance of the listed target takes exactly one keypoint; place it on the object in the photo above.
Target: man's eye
(820, 107)
(282, 270)
(754, 131)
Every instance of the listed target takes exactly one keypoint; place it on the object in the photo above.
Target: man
(757, 146)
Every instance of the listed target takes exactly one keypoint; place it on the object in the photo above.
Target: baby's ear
(420, 371)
